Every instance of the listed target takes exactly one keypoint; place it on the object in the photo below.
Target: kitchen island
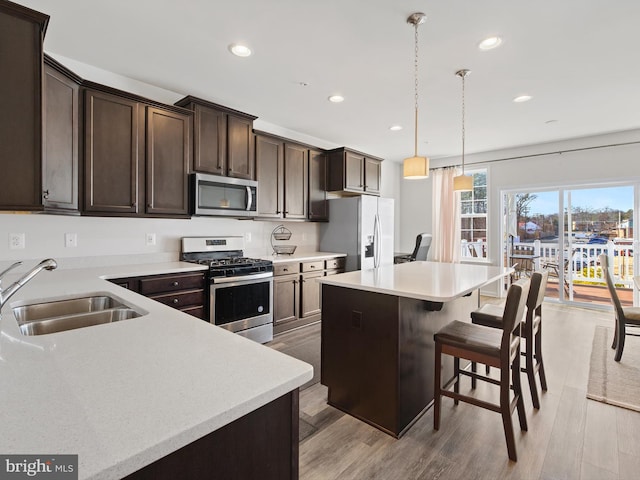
(164, 395)
(378, 351)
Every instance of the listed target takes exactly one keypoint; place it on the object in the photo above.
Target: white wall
(579, 168)
(107, 240)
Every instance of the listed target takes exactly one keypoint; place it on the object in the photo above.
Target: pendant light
(416, 167)
(463, 183)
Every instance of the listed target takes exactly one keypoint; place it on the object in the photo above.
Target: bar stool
(491, 347)
(531, 330)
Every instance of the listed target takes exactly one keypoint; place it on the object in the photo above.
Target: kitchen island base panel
(378, 353)
(263, 444)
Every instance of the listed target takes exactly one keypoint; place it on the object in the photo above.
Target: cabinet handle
(175, 301)
(175, 284)
(294, 281)
(285, 269)
(45, 194)
(312, 266)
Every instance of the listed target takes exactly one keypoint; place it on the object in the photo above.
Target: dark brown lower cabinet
(296, 291)
(261, 445)
(378, 353)
(186, 292)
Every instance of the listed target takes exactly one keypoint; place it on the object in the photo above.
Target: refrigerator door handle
(376, 241)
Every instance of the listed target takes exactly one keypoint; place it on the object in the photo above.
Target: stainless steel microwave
(215, 195)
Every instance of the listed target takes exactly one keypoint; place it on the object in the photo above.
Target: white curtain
(445, 207)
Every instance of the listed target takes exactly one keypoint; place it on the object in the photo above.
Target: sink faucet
(48, 264)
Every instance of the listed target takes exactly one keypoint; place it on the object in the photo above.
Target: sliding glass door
(565, 230)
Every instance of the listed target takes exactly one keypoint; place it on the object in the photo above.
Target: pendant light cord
(463, 131)
(415, 65)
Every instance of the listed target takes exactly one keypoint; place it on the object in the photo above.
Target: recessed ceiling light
(522, 98)
(239, 50)
(490, 43)
(336, 98)
(395, 128)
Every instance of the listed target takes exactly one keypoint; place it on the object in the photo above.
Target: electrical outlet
(70, 240)
(150, 238)
(16, 241)
(247, 237)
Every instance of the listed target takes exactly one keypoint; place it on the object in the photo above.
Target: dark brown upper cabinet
(282, 174)
(353, 173)
(137, 155)
(223, 142)
(318, 205)
(270, 175)
(296, 181)
(22, 33)
(61, 138)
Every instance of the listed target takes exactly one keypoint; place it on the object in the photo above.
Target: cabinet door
(167, 162)
(310, 294)
(111, 153)
(372, 175)
(353, 172)
(60, 161)
(318, 205)
(21, 36)
(269, 165)
(285, 298)
(210, 141)
(240, 152)
(295, 181)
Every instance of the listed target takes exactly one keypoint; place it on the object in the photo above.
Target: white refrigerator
(361, 227)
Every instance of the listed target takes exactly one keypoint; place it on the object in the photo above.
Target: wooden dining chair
(490, 315)
(500, 349)
(625, 316)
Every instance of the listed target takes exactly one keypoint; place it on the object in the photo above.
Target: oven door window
(241, 302)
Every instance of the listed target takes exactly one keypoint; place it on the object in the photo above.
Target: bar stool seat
(464, 335)
(488, 315)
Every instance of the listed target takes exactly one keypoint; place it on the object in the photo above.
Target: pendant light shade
(463, 183)
(416, 167)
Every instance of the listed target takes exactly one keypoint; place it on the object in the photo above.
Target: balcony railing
(581, 267)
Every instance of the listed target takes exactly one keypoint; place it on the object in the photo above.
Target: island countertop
(431, 281)
(125, 394)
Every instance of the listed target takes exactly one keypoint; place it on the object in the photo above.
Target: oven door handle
(249, 198)
(253, 278)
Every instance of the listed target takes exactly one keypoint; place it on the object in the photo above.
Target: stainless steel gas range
(241, 298)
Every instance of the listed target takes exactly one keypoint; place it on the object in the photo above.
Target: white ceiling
(579, 59)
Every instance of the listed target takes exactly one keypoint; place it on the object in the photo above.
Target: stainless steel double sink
(60, 315)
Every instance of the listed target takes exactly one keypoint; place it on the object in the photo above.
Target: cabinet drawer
(285, 268)
(182, 299)
(334, 271)
(171, 283)
(312, 266)
(197, 312)
(335, 263)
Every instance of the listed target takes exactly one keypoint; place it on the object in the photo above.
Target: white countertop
(302, 257)
(432, 281)
(125, 394)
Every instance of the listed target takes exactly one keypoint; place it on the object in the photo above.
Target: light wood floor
(570, 437)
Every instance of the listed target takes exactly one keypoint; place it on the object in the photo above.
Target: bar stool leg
(517, 388)
(505, 411)
(539, 361)
(531, 372)
(437, 397)
(456, 376)
(474, 369)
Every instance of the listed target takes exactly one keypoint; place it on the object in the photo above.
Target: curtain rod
(559, 152)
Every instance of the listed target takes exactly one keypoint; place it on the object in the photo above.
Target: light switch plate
(16, 241)
(150, 239)
(70, 240)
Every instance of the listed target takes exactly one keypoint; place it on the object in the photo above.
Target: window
(473, 228)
